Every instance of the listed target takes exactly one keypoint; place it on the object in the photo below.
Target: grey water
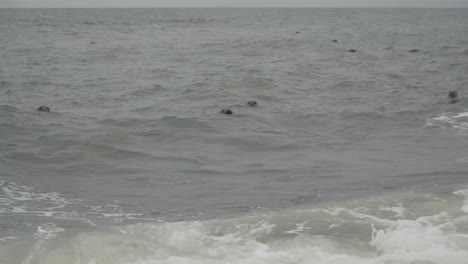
(348, 157)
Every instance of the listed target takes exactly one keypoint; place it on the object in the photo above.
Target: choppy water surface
(349, 157)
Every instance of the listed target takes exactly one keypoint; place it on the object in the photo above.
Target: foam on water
(24, 202)
(15, 198)
(382, 230)
(458, 121)
(463, 193)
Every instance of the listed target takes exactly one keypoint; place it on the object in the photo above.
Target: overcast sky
(233, 3)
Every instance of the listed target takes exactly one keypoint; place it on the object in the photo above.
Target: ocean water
(348, 158)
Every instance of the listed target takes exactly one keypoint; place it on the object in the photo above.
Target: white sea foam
(463, 193)
(358, 235)
(13, 193)
(22, 200)
(450, 120)
(398, 210)
(7, 238)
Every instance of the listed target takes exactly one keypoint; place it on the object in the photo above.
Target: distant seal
(226, 111)
(352, 50)
(413, 50)
(252, 103)
(297, 32)
(452, 97)
(334, 40)
(43, 109)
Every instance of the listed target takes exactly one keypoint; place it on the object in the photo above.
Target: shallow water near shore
(348, 157)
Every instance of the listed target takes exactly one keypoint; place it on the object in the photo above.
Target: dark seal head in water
(226, 111)
(43, 108)
(252, 103)
(452, 97)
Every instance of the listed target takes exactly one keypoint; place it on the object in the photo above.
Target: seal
(43, 108)
(352, 50)
(226, 111)
(452, 97)
(413, 50)
(252, 103)
(334, 40)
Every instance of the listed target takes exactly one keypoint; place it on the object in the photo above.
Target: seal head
(43, 109)
(252, 103)
(226, 111)
(452, 97)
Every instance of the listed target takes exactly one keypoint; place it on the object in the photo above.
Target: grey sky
(233, 3)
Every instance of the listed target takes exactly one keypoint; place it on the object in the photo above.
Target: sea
(349, 157)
